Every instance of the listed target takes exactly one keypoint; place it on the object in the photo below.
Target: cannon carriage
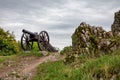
(42, 39)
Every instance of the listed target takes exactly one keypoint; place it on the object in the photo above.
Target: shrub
(66, 50)
(69, 55)
(8, 44)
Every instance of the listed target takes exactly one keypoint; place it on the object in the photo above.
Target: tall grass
(53, 71)
(105, 67)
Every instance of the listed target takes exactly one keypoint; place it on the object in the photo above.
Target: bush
(69, 55)
(66, 50)
(8, 44)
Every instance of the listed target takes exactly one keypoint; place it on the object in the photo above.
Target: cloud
(59, 18)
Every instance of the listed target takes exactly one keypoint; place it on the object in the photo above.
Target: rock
(45, 53)
(94, 40)
(88, 39)
(116, 24)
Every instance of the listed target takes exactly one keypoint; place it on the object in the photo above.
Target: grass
(57, 71)
(103, 67)
(30, 53)
(53, 71)
(20, 54)
(34, 52)
(5, 58)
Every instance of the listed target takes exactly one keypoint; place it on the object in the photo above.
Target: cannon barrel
(28, 32)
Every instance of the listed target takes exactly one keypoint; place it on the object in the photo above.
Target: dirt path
(26, 68)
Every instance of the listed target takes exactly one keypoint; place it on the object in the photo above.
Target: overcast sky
(58, 17)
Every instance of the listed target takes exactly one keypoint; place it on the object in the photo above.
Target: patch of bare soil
(25, 68)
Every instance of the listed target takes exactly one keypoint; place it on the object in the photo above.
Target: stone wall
(94, 40)
(89, 39)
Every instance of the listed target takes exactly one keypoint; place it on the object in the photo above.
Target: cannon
(42, 40)
(28, 38)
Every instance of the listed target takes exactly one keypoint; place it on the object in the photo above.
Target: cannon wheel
(25, 43)
(43, 40)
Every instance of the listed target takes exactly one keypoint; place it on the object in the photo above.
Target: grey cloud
(58, 17)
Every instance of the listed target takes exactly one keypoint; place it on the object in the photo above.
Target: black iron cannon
(42, 40)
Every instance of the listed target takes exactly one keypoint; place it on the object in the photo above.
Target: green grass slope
(105, 67)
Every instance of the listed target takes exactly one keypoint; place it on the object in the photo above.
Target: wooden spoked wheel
(25, 43)
(43, 40)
